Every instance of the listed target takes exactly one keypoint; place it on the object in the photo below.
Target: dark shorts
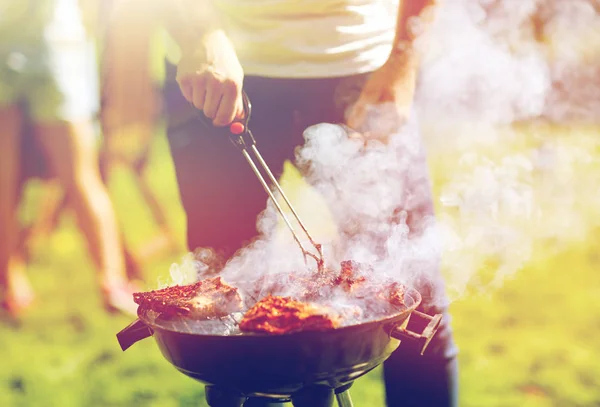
(222, 199)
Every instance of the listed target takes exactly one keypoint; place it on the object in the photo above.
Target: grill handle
(134, 332)
(422, 339)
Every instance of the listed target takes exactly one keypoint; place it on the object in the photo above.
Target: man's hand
(385, 100)
(211, 78)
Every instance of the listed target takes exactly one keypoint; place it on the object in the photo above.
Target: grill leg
(343, 399)
(342, 395)
(313, 396)
(263, 402)
(218, 397)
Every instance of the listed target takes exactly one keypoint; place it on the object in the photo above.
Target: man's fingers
(239, 107)
(187, 90)
(218, 97)
(198, 98)
(198, 93)
(228, 106)
(213, 99)
(362, 108)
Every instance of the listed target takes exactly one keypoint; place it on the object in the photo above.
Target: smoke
(505, 88)
(470, 75)
(502, 186)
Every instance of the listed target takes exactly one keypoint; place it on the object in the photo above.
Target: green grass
(532, 342)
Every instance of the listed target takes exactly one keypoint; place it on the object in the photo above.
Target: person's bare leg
(133, 265)
(51, 205)
(15, 291)
(71, 152)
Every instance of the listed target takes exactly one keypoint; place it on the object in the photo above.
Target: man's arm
(209, 73)
(394, 83)
(413, 19)
(188, 22)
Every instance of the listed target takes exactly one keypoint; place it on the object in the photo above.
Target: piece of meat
(205, 299)
(356, 284)
(348, 278)
(279, 315)
(394, 293)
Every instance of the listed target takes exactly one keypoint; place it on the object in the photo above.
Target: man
(299, 62)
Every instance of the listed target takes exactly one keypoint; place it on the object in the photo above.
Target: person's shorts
(56, 81)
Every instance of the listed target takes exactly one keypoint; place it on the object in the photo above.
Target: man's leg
(412, 379)
(15, 291)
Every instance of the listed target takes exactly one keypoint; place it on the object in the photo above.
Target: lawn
(532, 341)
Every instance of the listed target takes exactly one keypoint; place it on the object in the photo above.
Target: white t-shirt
(309, 38)
(66, 24)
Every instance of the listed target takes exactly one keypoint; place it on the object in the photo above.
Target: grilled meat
(207, 298)
(279, 315)
(354, 282)
(394, 293)
(348, 278)
(284, 302)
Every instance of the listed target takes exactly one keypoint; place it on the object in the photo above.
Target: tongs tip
(243, 139)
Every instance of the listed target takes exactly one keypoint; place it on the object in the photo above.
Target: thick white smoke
(506, 186)
(501, 186)
(471, 75)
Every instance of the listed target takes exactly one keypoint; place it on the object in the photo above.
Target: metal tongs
(242, 138)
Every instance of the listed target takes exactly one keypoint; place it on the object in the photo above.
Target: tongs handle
(241, 136)
(238, 131)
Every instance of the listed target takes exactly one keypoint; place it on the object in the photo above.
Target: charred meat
(205, 299)
(349, 278)
(279, 315)
(394, 293)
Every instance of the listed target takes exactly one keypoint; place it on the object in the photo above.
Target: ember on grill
(207, 298)
(279, 315)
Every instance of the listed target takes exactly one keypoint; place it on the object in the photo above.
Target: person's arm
(394, 83)
(414, 17)
(209, 73)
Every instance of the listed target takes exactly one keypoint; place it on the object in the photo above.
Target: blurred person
(301, 63)
(130, 110)
(47, 77)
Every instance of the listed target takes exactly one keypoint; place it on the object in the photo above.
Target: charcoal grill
(308, 368)
(302, 367)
